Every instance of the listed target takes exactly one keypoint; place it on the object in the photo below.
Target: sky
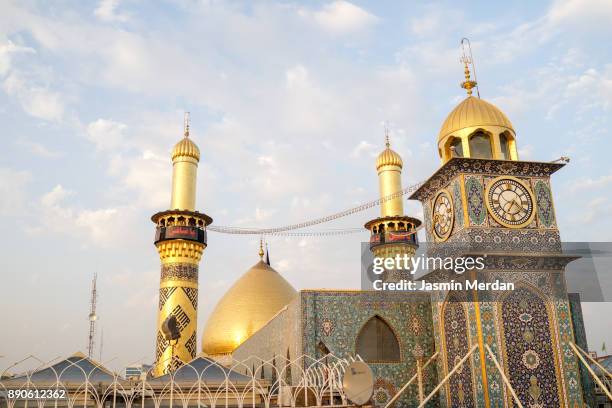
(288, 101)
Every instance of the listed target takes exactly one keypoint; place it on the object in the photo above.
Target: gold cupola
(388, 157)
(186, 148)
(248, 305)
(477, 129)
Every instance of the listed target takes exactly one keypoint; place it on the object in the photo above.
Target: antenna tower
(92, 317)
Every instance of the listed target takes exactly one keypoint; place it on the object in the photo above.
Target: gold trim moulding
(171, 283)
(393, 218)
(179, 248)
(196, 214)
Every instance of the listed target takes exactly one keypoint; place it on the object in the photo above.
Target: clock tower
(483, 201)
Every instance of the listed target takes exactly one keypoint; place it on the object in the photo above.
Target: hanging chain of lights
(318, 233)
(285, 230)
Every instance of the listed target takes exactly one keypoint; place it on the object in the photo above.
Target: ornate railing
(80, 382)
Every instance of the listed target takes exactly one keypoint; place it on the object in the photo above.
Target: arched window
(376, 342)
(504, 145)
(322, 349)
(455, 148)
(480, 146)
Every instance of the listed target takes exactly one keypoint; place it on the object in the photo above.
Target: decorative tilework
(192, 295)
(164, 294)
(482, 166)
(327, 326)
(384, 390)
(408, 317)
(458, 204)
(190, 345)
(475, 200)
(543, 199)
(161, 343)
(460, 388)
(581, 341)
(182, 271)
(528, 348)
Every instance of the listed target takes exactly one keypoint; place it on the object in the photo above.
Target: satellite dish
(170, 329)
(358, 382)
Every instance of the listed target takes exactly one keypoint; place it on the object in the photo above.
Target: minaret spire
(387, 142)
(186, 122)
(467, 60)
(261, 250)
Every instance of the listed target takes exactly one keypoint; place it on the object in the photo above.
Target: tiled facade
(528, 329)
(335, 318)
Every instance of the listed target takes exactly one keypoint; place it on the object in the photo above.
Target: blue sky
(287, 101)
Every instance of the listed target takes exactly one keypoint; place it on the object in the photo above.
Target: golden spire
(261, 250)
(387, 143)
(467, 60)
(388, 157)
(186, 124)
(468, 84)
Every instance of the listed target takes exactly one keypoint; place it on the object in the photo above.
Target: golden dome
(249, 304)
(186, 147)
(473, 112)
(388, 157)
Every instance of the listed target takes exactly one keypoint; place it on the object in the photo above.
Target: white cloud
(107, 11)
(363, 147)
(342, 17)
(588, 183)
(106, 134)
(54, 197)
(103, 227)
(589, 14)
(9, 49)
(38, 101)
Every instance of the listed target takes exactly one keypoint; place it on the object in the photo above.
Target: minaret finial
(467, 60)
(387, 142)
(261, 250)
(186, 124)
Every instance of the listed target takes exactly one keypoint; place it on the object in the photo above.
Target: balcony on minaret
(186, 225)
(393, 230)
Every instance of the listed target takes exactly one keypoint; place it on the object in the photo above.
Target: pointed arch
(377, 342)
(480, 145)
(456, 342)
(529, 344)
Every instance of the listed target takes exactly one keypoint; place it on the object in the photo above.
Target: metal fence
(78, 381)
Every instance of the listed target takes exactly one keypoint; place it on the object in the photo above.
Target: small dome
(388, 157)
(473, 112)
(249, 304)
(186, 147)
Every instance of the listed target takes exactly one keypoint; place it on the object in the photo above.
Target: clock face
(510, 202)
(442, 215)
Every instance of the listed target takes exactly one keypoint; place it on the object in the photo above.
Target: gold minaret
(180, 239)
(393, 233)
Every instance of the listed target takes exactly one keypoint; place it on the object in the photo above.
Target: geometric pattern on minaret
(393, 233)
(180, 240)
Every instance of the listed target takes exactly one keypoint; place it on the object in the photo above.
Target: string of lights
(285, 230)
